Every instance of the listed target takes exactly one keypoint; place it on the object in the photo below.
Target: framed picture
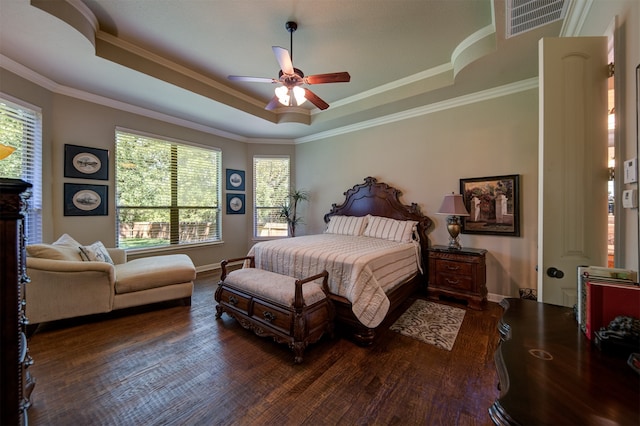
(235, 203)
(493, 204)
(86, 163)
(85, 200)
(235, 180)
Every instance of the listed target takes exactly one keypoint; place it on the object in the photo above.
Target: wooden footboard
(361, 334)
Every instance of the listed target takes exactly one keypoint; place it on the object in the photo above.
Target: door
(572, 166)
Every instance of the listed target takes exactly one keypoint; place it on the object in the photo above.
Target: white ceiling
(172, 57)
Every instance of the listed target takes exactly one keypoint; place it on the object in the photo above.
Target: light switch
(631, 170)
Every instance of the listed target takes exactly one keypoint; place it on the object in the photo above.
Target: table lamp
(453, 205)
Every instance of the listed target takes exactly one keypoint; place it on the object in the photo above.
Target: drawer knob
(233, 300)
(269, 316)
(452, 281)
(453, 268)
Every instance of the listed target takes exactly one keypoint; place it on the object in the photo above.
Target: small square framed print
(235, 203)
(86, 163)
(235, 180)
(85, 200)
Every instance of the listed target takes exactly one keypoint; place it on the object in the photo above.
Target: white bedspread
(360, 268)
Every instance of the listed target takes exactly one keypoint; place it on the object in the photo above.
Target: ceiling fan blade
(284, 59)
(273, 104)
(314, 99)
(334, 77)
(252, 79)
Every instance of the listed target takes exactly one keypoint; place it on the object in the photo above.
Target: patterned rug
(431, 323)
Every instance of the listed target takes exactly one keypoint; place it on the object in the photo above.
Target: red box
(608, 299)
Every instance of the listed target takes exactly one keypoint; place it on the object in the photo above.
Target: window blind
(167, 191)
(21, 128)
(271, 183)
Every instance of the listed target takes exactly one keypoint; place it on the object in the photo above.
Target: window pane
(271, 187)
(167, 192)
(143, 227)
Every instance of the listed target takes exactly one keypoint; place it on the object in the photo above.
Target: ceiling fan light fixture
(283, 95)
(298, 93)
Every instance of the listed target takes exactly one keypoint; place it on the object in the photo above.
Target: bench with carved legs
(295, 312)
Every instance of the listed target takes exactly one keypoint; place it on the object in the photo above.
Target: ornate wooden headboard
(379, 199)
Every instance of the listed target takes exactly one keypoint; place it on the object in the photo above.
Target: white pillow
(390, 229)
(95, 252)
(65, 248)
(346, 225)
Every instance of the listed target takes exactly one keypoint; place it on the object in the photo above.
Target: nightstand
(459, 274)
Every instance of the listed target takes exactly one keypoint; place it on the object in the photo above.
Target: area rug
(431, 323)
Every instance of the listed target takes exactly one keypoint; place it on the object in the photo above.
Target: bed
(374, 249)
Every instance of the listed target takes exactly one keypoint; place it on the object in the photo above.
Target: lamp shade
(453, 205)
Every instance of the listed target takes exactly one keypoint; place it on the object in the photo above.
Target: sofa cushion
(152, 272)
(65, 248)
(95, 252)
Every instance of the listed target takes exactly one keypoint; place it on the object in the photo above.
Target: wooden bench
(296, 312)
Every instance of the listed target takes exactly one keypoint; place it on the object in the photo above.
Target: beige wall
(425, 157)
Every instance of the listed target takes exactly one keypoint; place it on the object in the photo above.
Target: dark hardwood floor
(178, 365)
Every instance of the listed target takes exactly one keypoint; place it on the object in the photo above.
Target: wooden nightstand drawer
(461, 282)
(451, 267)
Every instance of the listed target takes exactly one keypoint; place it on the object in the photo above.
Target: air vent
(525, 15)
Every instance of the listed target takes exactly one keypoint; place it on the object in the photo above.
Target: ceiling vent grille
(525, 15)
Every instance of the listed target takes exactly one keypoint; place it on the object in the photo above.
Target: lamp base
(454, 228)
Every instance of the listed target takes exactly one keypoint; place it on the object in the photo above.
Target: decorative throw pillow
(95, 252)
(390, 229)
(346, 225)
(65, 248)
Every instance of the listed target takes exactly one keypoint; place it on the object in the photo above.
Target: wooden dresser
(16, 383)
(460, 274)
(551, 374)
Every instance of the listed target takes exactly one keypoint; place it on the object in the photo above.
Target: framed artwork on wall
(86, 163)
(85, 200)
(235, 180)
(493, 204)
(235, 203)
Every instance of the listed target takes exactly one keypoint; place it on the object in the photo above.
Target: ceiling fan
(290, 93)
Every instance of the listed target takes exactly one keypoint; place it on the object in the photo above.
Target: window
(21, 129)
(270, 188)
(167, 192)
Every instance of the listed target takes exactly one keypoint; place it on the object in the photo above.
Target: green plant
(289, 210)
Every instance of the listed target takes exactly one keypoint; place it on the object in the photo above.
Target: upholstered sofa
(69, 280)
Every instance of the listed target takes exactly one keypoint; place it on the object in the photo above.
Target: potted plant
(289, 210)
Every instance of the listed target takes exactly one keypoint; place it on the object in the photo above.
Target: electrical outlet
(630, 198)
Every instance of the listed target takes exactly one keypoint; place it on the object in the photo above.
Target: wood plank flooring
(178, 365)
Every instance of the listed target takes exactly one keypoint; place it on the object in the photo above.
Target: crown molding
(577, 12)
(484, 95)
(52, 86)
